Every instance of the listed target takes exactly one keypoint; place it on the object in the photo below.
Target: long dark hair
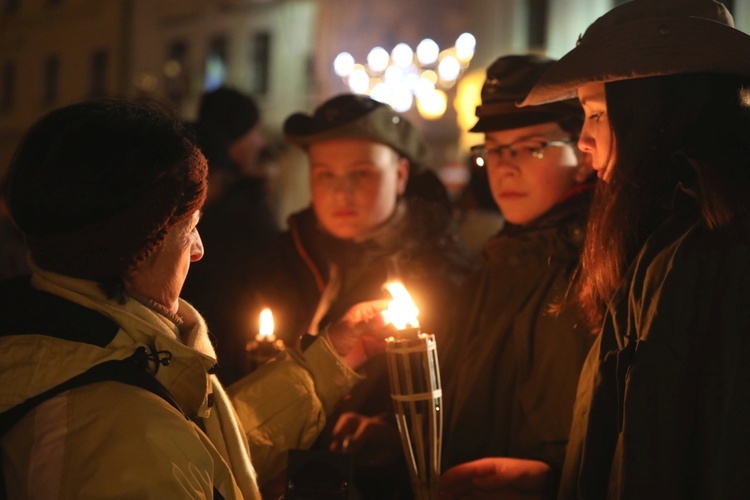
(689, 130)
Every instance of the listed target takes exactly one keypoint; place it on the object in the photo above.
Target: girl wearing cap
(663, 400)
(511, 368)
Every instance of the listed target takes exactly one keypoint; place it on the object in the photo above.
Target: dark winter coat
(417, 246)
(663, 403)
(511, 367)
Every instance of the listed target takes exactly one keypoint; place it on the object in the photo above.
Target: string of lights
(405, 77)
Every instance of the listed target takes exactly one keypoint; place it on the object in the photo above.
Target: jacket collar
(40, 362)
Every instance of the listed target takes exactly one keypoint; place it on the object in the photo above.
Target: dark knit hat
(96, 186)
(350, 116)
(228, 113)
(508, 81)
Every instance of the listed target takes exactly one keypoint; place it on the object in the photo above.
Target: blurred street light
(400, 79)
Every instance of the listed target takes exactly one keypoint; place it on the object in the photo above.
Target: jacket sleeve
(283, 405)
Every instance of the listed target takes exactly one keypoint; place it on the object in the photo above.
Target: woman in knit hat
(106, 372)
(663, 400)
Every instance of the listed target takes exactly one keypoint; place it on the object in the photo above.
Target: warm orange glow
(266, 325)
(401, 312)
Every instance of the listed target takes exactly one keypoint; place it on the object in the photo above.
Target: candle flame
(401, 312)
(266, 323)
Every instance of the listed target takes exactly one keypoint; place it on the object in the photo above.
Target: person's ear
(402, 175)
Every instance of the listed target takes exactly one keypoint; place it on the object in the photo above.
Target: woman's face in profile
(162, 276)
(596, 135)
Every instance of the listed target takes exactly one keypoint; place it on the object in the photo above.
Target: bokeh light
(343, 65)
(402, 55)
(382, 92)
(432, 105)
(378, 59)
(465, 46)
(427, 52)
(402, 100)
(359, 80)
(401, 79)
(393, 75)
(449, 68)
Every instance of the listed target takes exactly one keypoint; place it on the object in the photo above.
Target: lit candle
(265, 345)
(265, 333)
(402, 312)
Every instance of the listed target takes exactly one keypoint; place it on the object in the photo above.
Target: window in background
(538, 19)
(176, 72)
(98, 73)
(7, 86)
(216, 64)
(260, 62)
(11, 7)
(51, 81)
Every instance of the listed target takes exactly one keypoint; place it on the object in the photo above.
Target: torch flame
(266, 323)
(401, 312)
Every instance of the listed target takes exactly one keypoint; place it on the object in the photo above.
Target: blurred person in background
(237, 223)
(107, 373)
(511, 365)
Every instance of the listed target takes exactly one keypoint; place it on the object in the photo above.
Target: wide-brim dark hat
(646, 38)
(509, 80)
(350, 116)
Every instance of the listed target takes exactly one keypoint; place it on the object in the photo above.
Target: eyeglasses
(519, 151)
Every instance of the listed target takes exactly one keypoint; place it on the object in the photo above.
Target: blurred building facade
(55, 52)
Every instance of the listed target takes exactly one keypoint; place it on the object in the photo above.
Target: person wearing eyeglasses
(511, 368)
